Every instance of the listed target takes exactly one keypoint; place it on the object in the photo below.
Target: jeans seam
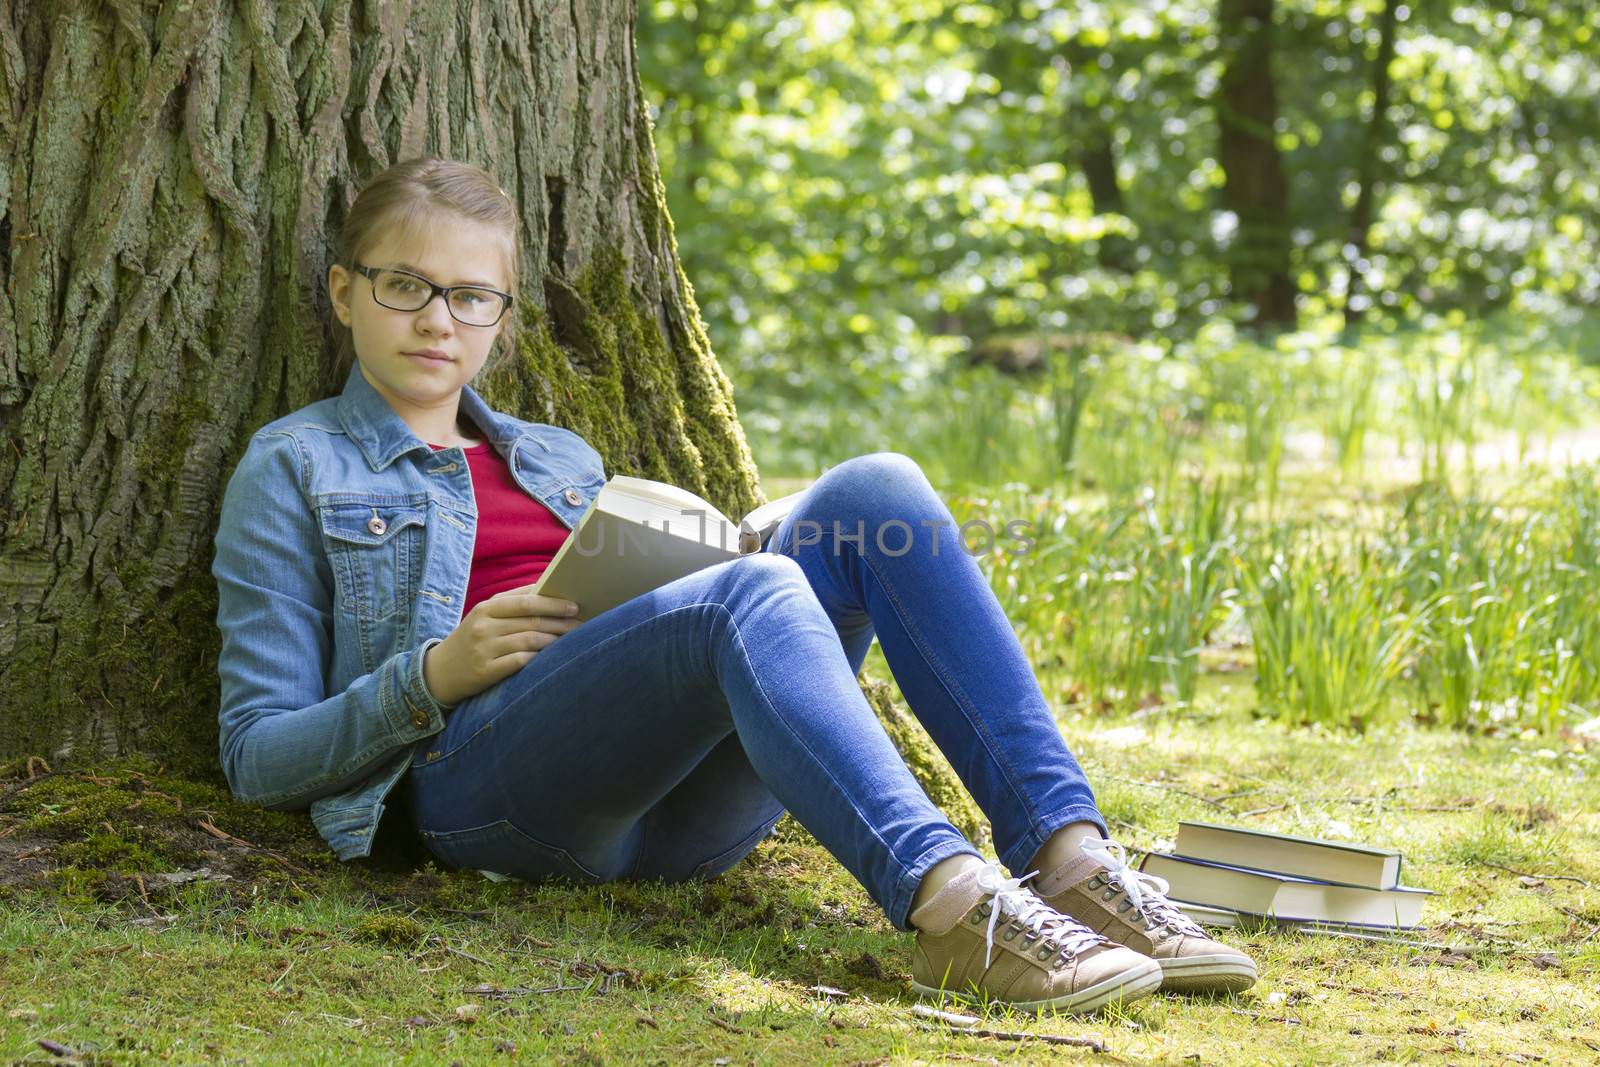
(957, 695)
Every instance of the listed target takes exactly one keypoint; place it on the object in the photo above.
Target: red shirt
(517, 536)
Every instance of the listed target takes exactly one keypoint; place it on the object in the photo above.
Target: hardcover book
(639, 534)
(1304, 857)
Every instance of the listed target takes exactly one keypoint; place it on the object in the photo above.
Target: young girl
(374, 563)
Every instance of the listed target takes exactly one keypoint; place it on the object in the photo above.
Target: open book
(640, 534)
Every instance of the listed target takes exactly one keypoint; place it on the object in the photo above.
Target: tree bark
(1092, 145)
(172, 176)
(1367, 170)
(1254, 188)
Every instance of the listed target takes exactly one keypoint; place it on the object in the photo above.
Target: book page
(760, 523)
(669, 497)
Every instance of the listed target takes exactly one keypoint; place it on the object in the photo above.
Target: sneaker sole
(1208, 974)
(1128, 985)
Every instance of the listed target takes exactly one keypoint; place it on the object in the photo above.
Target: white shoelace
(1146, 892)
(1032, 916)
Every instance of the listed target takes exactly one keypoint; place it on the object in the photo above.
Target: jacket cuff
(425, 713)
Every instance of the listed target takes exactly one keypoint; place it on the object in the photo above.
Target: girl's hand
(494, 640)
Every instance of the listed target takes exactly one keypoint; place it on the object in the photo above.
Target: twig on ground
(951, 1023)
(209, 827)
(732, 1029)
(1267, 1018)
(1236, 796)
(1172, 788)
(282, 975)
(466, 955)
(1363, 990)
(1580, 916)
(1527, 874)
(1260, 811)
(495, 993)
(1434, 946)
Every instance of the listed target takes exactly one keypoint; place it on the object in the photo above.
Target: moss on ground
(112, 830)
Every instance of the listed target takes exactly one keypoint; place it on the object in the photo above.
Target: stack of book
(1228, 876)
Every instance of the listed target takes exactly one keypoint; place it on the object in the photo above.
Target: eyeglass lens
(403, 292)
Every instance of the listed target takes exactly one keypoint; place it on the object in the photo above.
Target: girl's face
(394, 347)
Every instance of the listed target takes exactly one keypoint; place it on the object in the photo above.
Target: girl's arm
(284, 741)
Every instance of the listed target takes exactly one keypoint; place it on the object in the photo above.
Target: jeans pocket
(722, 861)
(502, 848)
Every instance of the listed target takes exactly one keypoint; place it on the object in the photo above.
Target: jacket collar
(383, 436)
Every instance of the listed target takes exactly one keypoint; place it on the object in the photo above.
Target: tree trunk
(1367, 170)
(1254, 188)
(1092, 145)
(172, 175)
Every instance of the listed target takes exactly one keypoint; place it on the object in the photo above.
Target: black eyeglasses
(401, 290)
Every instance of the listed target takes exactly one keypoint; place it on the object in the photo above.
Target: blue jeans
(665, 737)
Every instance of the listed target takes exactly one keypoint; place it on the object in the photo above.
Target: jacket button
(419, 719)
(377, 526)
(574, 497)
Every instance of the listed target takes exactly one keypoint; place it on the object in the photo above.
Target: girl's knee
(767, 570)
(766, 583)
(877, 487)
(877, 470)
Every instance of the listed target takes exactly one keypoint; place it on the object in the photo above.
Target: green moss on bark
(598, 365)
(928, 765)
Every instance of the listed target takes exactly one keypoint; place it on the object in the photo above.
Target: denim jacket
(341, 557)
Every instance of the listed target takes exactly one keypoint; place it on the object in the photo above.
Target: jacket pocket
(375, 550)
(502, 848)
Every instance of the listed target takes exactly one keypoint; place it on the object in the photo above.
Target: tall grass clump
(1331, 629)
(1123, 596)
(1510, 591)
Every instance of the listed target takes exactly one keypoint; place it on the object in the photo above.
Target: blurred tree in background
(862, 191)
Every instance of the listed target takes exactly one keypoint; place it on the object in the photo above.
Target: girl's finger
(510, 605)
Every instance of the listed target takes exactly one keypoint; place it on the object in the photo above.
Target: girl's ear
(339, 292)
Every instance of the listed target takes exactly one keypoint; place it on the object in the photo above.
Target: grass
(360, 964)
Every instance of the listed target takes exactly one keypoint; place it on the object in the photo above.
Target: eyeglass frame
(370, 273)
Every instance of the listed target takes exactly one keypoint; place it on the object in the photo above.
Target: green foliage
(874, 185)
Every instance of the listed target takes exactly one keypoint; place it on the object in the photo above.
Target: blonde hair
(409, 195)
